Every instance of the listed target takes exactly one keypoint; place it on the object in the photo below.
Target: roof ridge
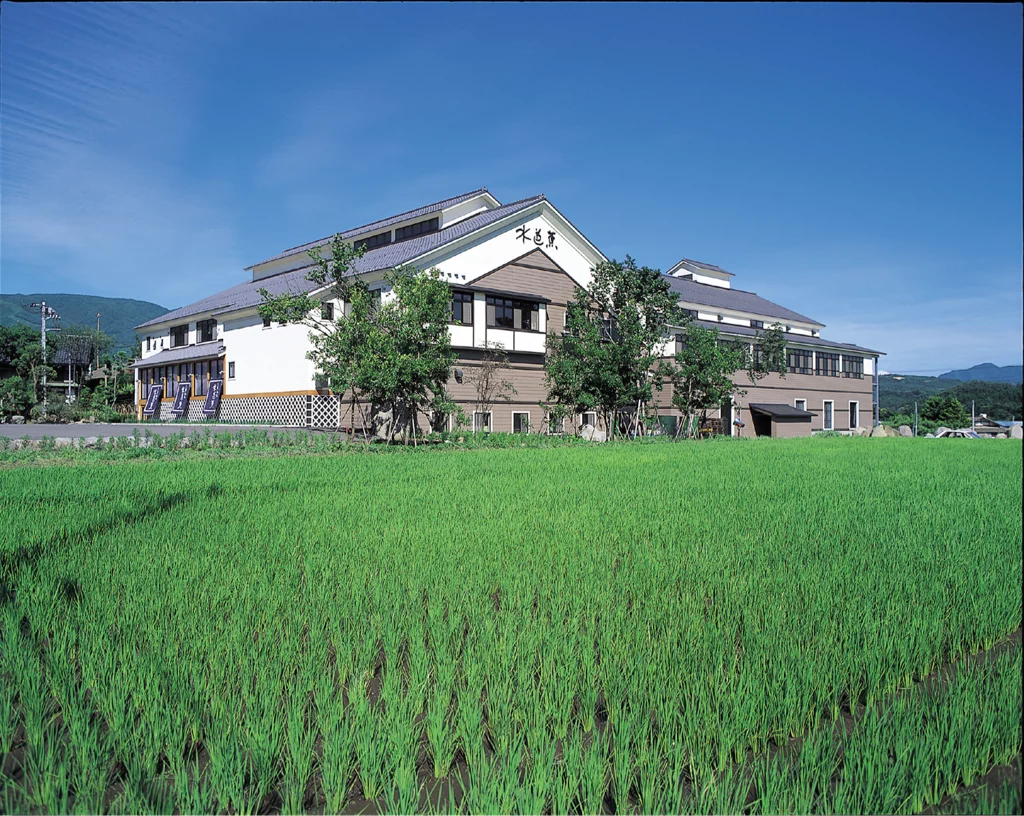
(389, 217)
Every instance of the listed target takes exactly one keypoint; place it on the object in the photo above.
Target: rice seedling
(243, 634)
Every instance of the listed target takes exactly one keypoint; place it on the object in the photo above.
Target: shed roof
(201, 351)
(781, 411)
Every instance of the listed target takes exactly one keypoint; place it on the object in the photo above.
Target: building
(512, 269)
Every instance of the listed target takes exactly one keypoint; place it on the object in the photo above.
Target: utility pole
(45, 313)
(96, 342)
(915, 417)
(972, 415)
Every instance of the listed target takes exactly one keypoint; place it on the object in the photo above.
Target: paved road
(124, 429)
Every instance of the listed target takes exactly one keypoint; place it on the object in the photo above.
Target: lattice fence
(288, 410)
(194, 413)
(325, 411)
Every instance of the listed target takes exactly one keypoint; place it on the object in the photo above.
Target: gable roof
(373, 226)
(247, 294)
(718, 297)
(696, 266)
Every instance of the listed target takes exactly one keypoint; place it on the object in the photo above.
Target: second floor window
(327, 311)
(757, 324)
(462, 308)
(505, 313)
(179, 336)
(798, 361)
(206, 331)
(853, 367)
(828, 364)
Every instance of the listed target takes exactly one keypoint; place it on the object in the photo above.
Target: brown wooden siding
(535, 274)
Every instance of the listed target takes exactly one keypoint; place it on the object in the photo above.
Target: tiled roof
(247, 294)
(802, 339)
(718, 297)
(373, 226)
(202, 351)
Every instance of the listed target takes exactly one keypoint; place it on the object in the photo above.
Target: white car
(962, 433)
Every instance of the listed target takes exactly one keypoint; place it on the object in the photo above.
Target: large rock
(1016, 432)
(17, 420)
(592, 434)
(878, 430)
(929, 436)
(906, 430)
(1000, 436)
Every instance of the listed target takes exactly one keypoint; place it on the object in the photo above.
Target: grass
(707, 627)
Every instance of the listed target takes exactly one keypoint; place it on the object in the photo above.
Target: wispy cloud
(97, 110)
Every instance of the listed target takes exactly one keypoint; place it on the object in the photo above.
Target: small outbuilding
(779, 420)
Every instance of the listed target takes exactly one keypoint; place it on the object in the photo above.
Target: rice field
(815, 625)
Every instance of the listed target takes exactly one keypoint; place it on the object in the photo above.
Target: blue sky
(860, 164)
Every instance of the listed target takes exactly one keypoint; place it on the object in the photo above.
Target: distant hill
(898, 392)
(118, 318)
(987, 372)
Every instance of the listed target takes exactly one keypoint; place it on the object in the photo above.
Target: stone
(1016, 432)
(1000, 436)
(17, 420)
(63, 442)
(906, 430)
(929, 436)
(90, 441)
(592, 434)
(878, 431)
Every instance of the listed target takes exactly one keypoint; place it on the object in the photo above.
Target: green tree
(701, 375)
(603, 360)
(395, 354)
(488, 379)
(945, 409)
(15, 396)
(769, 354)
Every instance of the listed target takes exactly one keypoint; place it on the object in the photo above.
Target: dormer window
(374, 241)
(417, 229)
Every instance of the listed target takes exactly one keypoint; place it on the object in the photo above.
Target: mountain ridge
(119, 316)
(986, 372)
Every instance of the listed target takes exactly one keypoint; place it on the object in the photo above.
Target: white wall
(501, 247)
(266, 360)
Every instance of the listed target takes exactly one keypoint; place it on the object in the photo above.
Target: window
(801, 404)
(374, 241)
(827, 423)
(520, 422)
(827, 364)
(555, 426)
(327, 310)
(481, 421)
(798, 361)
(854, 415)
(147, 343)
(462, 308)
(419, 228)
(202, 377)
(231, 370)
(375, 298)
(206, 331)
(853, 367)
(266, 322)
(590, 418)
(505, 313)
(610, 329)
(179, 335)
(690, 313)
(757, 324)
